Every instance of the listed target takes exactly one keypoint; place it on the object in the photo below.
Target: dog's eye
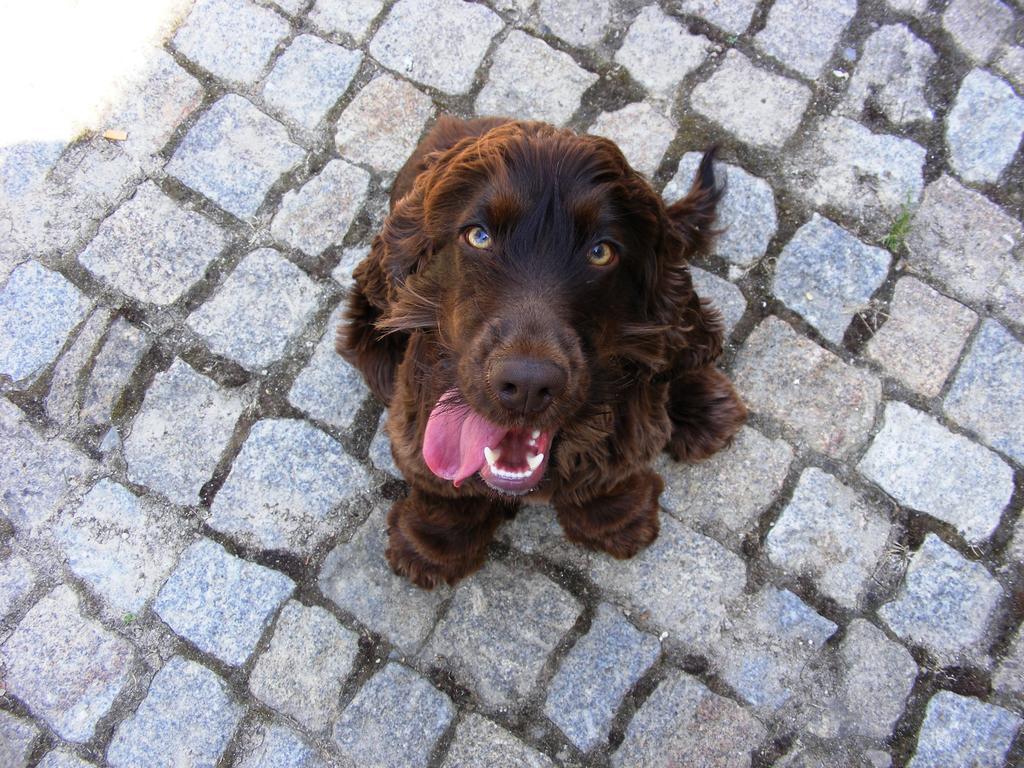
(478, 238)
(601, 255)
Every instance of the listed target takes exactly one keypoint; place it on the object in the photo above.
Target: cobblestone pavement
(193, 483)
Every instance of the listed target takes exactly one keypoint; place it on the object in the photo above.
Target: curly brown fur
(535, 333)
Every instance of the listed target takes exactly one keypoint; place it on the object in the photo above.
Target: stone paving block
(277, 745)
(803, 33)
(380, 449)
(441, 44)
(319, 214)
(63, 401)
(39, 309)
(732, 17)
(231, 39)
(961, 240)
(728, 492)
(65, 668)
(481, 636)
(179, 434)
(866, 177)
(23, 167)
(823, 403)
(60, 758)
(928, 468)
(659, 52)
(769, 642)
(913, 7)
(833, 755)
(723, 295)
(962, 731)
(394, 721)
(877, 676)
(756, 106)
(356, 577)
(535, 531)
(642, 132)
(684, 723)
(922, 339)
(480, 742)
(221, 603)
(984, 127)
(187, 718)
(828, 533)
(1008, 679)
(115, 363)
(598, 671)
(258, 310)
(564, 19)
(944, 604)
(345, 17)
(746, 213)
(151, 111)
(1010, 64)
(308, 79)
(827, 275)
(17, 740)
(533, 81)
(350, 259)
(309, 658)
(682, 582)
(383, 123)
(152, 248)
(329, 389)
(987, 396)
(120, 545)
(36, 474)
(890, 77)
(978, 27)
(17, 579)
(285, 486)
(233, 155)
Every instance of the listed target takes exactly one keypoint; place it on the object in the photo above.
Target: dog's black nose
(526, 384)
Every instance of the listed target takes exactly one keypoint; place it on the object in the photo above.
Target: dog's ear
(397, 251)
(693, 216)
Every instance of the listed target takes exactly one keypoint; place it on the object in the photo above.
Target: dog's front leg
(433, 539)
(621, 522)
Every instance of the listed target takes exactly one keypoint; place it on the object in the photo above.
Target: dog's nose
(526, 384)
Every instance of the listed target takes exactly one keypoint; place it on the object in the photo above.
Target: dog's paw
(406, 562)
(632, 539)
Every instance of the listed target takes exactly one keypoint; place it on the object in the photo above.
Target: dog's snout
(527, 384)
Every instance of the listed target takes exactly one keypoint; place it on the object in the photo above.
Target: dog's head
(552, 275)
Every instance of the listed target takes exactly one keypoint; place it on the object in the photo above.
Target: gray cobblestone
(486, 612)
(922, 339)
(439, 45)
(733, 17)
(480, 742)
(978, 27)
(659, 52)
(580, 29)
(187, 718)
(641, 131)
(152, 248)
(802, 34)
(828, 275)
(958, 730)
(823, 402)
(828, 533)
(394, 721)
(684, 723)
(177, 437)
(67, 669)
(599, 670)
(356, 577)
(115, 363)
(277, 745)
(350, 259)
(945, 604)
(60, 758)
(380, 449)
(302, 672)
(533, 81)
(1010, 65)
(64, 398)
(535, 531)
(233, 155)
(17, 740)
(925, 466)
(219, 602)
(347, 17)
(319, 215)
(1009, 677)
(308, 79)
(17, 579)
(984, 127)
(383, 123)
(986, 395)
(913, 7)
(746, 213)
(724, 296)
(231, 39)
(285, 486)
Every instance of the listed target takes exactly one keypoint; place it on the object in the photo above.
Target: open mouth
(459, 442)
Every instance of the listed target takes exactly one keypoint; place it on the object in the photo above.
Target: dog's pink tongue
(454, 442)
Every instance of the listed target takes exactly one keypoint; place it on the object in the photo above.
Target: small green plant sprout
(128, 618)
(897, 237)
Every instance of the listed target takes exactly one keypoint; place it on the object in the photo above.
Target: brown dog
(528, 316)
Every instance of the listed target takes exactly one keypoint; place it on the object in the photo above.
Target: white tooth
(492, 456)
(536, 434)
(534, 461)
